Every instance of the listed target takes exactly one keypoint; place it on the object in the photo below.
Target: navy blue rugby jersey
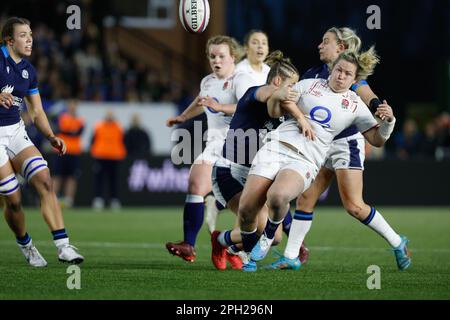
(20, 80)
(249, 125)
(322, 72)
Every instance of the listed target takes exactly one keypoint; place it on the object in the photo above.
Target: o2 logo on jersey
(211, 109)
(321, 115)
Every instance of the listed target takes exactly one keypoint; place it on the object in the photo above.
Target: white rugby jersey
(224, 91)
(259, 78)
(328, 113)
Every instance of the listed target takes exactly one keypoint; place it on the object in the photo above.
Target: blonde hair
(280, 66)
(235, 48)
(365, 62)
(347, 37)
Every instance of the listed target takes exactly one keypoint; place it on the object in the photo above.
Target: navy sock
(287, 223)
(227, 237)
(193, 220)
(302, 215)
(59, 234)
(370, 216)
(270, 229)
(23, 240)
(249, 240)
(219, 206)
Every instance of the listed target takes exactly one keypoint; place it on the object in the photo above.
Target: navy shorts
(228, 181)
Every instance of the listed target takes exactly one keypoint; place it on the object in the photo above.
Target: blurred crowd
(431, 141)
(84, 65)
(413, 141)
(81, 64)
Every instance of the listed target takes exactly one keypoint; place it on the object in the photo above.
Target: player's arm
(274, 103)
(228, 109)
(305, 127)
(193, 110)
(39, 118)
(263, 93)
(242, 83)
(377, 136)
(363, 90)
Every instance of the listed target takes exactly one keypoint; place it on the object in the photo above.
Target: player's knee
(43, 183)
(277, 200)
(9, 186)
(247, 214)
(33, 166)
(197, 187)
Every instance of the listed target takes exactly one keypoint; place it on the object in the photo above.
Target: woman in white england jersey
(256, 45)
(219, 94)
(286, 166)
(345, 159)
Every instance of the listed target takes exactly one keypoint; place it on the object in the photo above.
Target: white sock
(221, 238)
(376, 222)
(192, 198)
(299, 229)
(61, 242)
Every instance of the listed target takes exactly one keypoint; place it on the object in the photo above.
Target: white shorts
(347, 153)
(13, 139)
(275, 156)
(212, 152)
(228, 179)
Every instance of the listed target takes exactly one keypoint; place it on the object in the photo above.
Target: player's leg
(58, 176)
(350, 183)
(287, 186)
(14, 216)
(306, 203)
(199, 186)
(34, 169)
(221, 241)
(213, 208)
(252, 200)
(227, 183)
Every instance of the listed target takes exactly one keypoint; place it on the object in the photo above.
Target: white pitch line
(155, 245)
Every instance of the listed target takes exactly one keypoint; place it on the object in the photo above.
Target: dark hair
(8, 28)
(280, 66)
(252, 32)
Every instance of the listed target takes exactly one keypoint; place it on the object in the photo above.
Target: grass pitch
(126, 259)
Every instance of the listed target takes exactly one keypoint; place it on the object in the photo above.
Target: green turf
(126, 259)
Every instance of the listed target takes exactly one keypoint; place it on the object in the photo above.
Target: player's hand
(175, 120)
(286, 94)
(384, 112)
(306, 129)
(211, 103)
(6, 100)
(58, 144)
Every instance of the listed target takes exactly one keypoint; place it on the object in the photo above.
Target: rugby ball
(194, 15)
